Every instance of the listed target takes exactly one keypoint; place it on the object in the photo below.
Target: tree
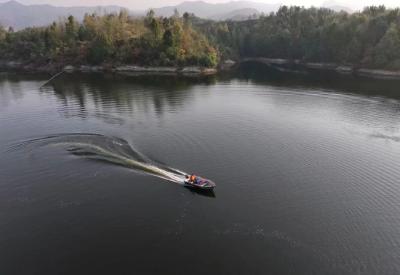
(99, 50)
(2, 33)
(71, 33)
(155, 28)
(387, 53)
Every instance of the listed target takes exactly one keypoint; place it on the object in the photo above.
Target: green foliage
(3, 33)
(387, 52)
(112, 38)
(98, 51)
(369, 38)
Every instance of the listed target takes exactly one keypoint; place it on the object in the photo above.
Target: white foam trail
(112, 155)
(125, 161)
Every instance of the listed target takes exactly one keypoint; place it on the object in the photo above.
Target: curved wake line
(127, 162)
(109, 149)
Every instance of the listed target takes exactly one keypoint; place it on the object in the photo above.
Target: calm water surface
(307, 171)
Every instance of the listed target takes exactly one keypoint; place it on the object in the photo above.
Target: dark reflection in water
(110, 90)
(306, 166)
(261, 74)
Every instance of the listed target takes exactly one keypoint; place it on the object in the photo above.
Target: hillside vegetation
(113, 38)
(370, 39)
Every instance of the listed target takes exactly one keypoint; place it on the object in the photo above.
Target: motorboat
(199, 183)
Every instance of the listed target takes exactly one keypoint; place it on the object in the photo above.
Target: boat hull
(207, 185)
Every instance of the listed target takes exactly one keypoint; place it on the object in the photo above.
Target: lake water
(307, 169)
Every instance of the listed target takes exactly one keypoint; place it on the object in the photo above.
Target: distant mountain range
(20, 16)
(333, 5)
(238, 15)
(219, 11)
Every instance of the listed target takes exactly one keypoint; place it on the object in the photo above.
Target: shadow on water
(264, 75)
(173, 89)
(205, 193)
(78, 92)
(166, 91)
(107, 90)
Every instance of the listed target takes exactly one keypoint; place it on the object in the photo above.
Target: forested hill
(368, 39)
(111, 39)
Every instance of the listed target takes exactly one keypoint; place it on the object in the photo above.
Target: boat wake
(111, 150)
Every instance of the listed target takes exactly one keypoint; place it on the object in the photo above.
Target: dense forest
(370, 38)
(113, 39)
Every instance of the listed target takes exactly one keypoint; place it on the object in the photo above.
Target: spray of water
(108, 149)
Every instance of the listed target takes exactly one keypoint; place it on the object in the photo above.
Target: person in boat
(192, 178)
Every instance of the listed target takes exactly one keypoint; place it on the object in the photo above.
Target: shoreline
(54, 68)
(282, 64)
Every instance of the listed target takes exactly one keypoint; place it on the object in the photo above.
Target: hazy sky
(145, 4)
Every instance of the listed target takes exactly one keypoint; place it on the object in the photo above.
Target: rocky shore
(284, 63)
(52, 68)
